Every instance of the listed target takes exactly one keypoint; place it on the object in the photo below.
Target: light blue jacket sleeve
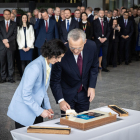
(30, 77)
(46, 102)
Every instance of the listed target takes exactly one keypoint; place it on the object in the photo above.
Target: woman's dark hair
(114, 20)
(53, 48)
(87, 17)
(21, 23)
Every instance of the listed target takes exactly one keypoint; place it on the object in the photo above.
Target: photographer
(113, 43)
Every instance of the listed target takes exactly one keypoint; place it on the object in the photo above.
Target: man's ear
(85, 41)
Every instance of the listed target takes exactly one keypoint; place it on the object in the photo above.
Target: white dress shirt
(76, 58)
(47, 21)
(56, 16)
(6, 22)
(102, 20)
(15, 19)
(108, 19)
(103, 24)
(77, 19)
(126, 21)
(69, 21)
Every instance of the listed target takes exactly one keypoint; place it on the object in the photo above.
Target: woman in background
(25, 40)
(86, 26)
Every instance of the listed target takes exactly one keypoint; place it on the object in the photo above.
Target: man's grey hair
(35, 10)
(13, 14)
(76, 34)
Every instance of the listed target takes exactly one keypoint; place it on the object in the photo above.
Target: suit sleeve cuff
(98, 37)
(61, 100)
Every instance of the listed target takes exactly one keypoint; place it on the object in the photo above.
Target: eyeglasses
(76, 48)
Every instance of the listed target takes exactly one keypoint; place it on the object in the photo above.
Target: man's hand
(64, 106)
(103, 40)
(91, 94)
(5, 41)
(46, 114)
(126, 36)
(100, 39)
(51, 111)
(123, 36)
(39, 15)
(7, 45)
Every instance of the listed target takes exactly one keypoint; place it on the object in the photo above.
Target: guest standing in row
(25, 40)
(8, 33)
(47, 29)
(101, 33)
(113, 43)
(67, 25)
(86, 26)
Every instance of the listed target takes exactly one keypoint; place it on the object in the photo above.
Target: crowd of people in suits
(116, 34)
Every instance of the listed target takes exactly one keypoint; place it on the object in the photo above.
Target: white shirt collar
(101, 18)
(76, 56)
(56, 16)
(84, 21)
(89, 14)
(68, 19)
(8, 22)
(15, 19)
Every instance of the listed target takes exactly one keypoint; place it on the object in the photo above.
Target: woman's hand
(27, 49)
(119, 28)
(51, 111)
(24, 49)
(46, 114)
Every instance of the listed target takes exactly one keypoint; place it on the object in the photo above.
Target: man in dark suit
(122, 12)
(67, 25)
(77, 15)
(35, 17)
(126, 34)
(73, 80)
(57, 18)
(8, 32)
(89, 13)
(47, 29)
(17, 18)
(101, 35)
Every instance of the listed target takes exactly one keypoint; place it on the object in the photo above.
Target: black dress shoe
(11, 81)
(2, 81)
(105, 70)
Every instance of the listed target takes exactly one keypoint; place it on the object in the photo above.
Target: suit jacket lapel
(65, 22)
(71, 24)
(4, 27)
(10, 26)
(72, 62)
(99, 24)
(85, 59)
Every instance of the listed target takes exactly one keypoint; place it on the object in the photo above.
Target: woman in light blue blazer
(30, 103)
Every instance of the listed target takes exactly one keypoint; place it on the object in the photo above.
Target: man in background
(50, 12)
(77, 15)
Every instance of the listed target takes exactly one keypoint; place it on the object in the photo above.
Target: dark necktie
(7, 27)
(68, 25)
(46, 26)
(80, 66)
(125, 23)
(102, 26)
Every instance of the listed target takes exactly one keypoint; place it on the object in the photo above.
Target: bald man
(50, 12)
(57, 17)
